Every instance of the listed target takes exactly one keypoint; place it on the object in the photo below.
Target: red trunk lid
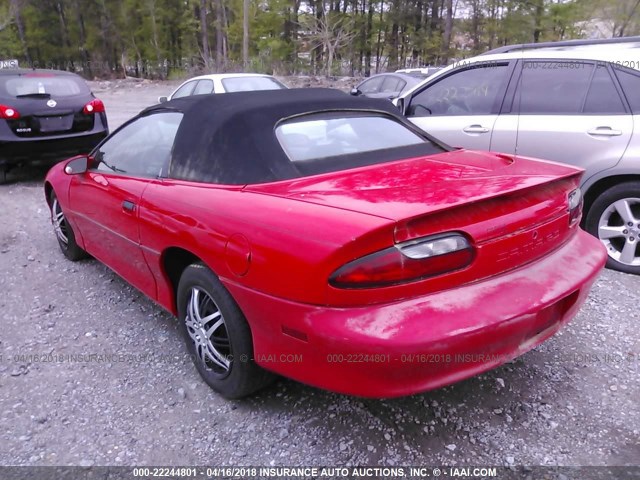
(513, 209)
(411, 188)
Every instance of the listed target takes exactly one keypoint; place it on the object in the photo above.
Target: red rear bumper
(427, 342)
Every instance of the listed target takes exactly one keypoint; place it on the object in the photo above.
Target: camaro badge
(52, 103)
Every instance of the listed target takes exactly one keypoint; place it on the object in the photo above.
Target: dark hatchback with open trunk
(46, 116)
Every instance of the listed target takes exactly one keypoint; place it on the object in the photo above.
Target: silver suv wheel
(614, 218)
(619, 230)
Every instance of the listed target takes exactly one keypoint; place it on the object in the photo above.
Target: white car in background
(421, 71)
(224, 83)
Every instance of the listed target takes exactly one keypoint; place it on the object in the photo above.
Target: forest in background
(171, 38)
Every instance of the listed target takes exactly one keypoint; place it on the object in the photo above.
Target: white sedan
(224, 83)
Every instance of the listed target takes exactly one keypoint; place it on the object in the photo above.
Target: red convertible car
(325, 238)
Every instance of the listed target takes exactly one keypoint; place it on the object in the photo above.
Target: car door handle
(128, 206)
(604, 132)
(475, 129)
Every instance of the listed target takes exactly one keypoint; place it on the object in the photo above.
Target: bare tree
(204, 31)
(245, 33)
(477, 20)
(15, 10)
(331, 31)
(616, 19)
(626, 19)
(221, 28)
(82, 45)
(448, 31)
(6, 16)
(153, 10)
(538, 16)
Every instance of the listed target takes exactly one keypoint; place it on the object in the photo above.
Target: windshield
(42, 85)
(245, 84)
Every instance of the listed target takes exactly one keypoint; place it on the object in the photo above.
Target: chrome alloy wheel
(59, 222)
(619, 230)
(206, 327)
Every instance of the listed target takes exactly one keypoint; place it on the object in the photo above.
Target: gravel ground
(572, 401)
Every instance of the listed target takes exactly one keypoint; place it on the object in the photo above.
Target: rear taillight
(94, 106)
(574, 205)
(406, 262)
(9, 113)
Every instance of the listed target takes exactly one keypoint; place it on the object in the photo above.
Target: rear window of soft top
(317, 136)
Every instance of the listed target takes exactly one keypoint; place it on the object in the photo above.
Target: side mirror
(163, 99)
(355, 92)
(77, 165)
(399, 102)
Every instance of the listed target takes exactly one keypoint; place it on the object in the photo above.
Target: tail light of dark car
(9, 113)
(94, 106)
(406, 262)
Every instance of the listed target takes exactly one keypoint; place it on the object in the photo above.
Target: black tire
(3, 175)
(603, 208)
(242, 376)
(64, 233)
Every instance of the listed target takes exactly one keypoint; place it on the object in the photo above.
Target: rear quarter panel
(293, 246)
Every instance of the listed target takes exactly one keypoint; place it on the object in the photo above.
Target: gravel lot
(572, 401)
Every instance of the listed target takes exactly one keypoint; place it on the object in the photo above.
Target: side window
(473, 91)
(392, 84)
(204, 87)
(184, 91)
(630, 82)
(371, 86)
(140, 149)
(552, 87)
(603, 98)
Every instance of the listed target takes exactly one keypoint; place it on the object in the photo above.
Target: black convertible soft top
(230, 138)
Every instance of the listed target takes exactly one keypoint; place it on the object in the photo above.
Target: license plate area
(57, 123)
(552, 314)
